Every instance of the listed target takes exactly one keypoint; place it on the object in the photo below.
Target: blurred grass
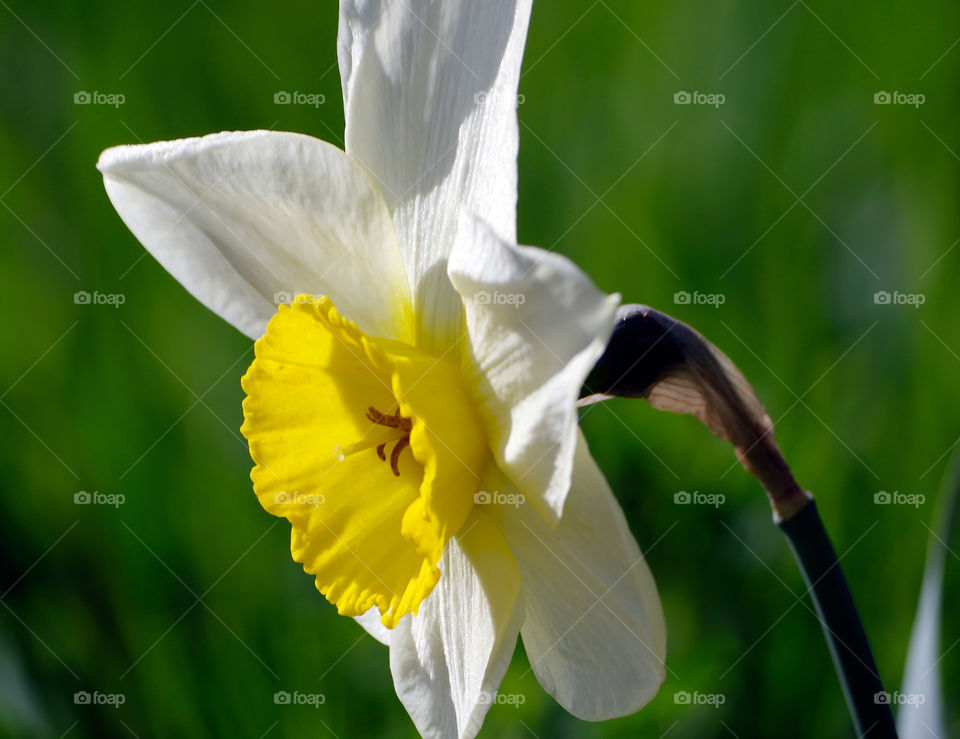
(106, 399)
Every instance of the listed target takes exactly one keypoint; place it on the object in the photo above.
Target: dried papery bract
(665, 361)
(653, 356)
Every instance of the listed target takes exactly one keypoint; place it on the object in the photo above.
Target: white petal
(372, 623)
(449, 659)
(240, 217)
(536, 326)
(594, 628)
(430, 96)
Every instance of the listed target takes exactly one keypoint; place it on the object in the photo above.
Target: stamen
(395, 421)
(395, 457)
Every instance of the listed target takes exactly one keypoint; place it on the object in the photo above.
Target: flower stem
(838, 616)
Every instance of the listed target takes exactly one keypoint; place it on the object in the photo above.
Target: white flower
(497, 520)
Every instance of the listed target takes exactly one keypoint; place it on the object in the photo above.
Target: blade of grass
(922, 715)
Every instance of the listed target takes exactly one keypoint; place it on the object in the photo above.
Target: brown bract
(654, 356)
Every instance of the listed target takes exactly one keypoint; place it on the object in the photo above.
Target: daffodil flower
(412, 411)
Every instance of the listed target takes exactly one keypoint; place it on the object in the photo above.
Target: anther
(395, 421)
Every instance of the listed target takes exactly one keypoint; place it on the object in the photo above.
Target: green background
(184, 598)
